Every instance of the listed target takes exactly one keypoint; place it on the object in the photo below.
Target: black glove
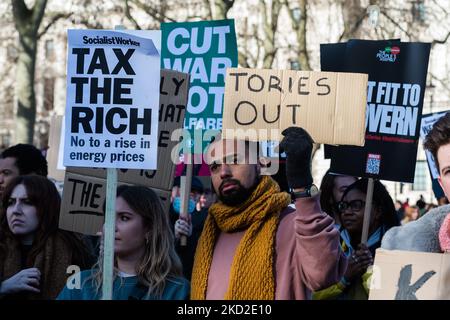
(297, 144)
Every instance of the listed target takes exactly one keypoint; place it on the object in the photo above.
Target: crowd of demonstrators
(34, 253)
(207, 198)
(408, 213)
(254, 245)
(428, 233)
(146, 266)
(331, 190)
(383, 216)
(411, 213)
(246, 239)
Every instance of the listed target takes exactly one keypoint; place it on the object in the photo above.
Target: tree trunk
(298, 21)
(303, 57)
(27, 23)
(221, 8)
(353, 14)
(270, 24)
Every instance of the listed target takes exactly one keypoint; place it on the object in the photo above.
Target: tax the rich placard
(397, 73)
(113, 80)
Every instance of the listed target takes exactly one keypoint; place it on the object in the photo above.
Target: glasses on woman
(354, 205)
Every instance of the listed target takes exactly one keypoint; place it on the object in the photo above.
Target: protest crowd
(251, 226)
(238, 232)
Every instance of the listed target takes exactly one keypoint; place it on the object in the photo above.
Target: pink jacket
(308, 254)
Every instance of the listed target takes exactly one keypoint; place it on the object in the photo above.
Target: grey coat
(420, 235)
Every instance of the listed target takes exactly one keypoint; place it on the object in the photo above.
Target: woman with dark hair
(146, 264)
(331, 190)
(351, 207)
(354, 284)
(34, 254)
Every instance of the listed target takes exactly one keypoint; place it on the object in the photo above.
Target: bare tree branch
(52, 21)
(299, 26)
(435, 41)
(153, 12)
(207, 4)
(270, 25)
(242, 58)
(395, 23)
(130, 17)
(222, 7)
(440, 7)
(442, 82)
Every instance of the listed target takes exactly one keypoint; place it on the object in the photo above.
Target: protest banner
(204, 49)
(408, 275)
(83, 203)
(174, 87)
(397, 73)
(331, 106)
(427, 122)
(426, 125)
(173, 99)
(111, 107)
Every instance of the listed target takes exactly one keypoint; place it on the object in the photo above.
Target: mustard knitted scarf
(252, 270)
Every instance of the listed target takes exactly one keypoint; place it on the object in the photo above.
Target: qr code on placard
(373, 163)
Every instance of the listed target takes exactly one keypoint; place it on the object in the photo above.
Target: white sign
(425, 126)
(113, 80)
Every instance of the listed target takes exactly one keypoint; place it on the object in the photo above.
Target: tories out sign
(113, 80)
(331, 106)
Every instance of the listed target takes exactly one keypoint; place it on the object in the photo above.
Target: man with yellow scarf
(255, 245)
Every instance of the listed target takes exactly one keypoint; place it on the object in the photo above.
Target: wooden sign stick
(108, 237)
(367, 211)
(109, 229)
(185, 185)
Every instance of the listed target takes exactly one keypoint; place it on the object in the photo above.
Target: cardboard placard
(83, 200)
(112, 99)
(407, 275)
(330, 106)
(173, 99)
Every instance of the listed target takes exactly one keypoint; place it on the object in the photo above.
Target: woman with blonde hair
(146, 264)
